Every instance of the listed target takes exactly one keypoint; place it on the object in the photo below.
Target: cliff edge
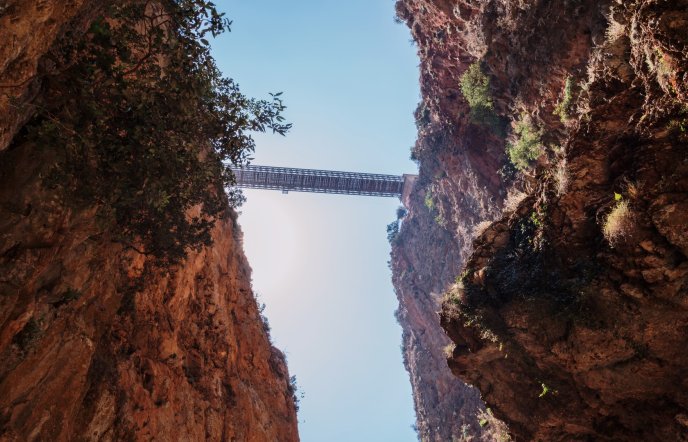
(552, 192)
(98, 340)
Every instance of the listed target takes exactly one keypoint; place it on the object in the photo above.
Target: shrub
(475, 87)
(448, 350)
(144, 127)
(564, 108)
(528, 145)
(294, 391)
(392, 231)
(429, 201)
(413, 155)
(618, 222)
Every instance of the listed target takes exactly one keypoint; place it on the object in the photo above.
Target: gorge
(539, 265)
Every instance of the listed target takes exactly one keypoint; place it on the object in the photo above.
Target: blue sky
(350, 81)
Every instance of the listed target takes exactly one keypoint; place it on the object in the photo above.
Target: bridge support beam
(323, 181)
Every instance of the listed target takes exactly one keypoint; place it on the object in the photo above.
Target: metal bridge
(323, 181)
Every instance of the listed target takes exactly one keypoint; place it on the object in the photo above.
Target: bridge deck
(319, 181)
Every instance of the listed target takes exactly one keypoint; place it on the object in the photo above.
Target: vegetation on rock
(564, 109)
(141, 124)
(617, 222)
(475, 86)
(528, 144)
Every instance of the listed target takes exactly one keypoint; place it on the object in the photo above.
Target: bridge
(324, 181)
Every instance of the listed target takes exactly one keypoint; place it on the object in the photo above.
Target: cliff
(457, 189)
(568, 312)
(98, 341)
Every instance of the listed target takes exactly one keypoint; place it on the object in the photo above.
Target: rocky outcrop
(96, 341)
(457, 189)
(28, 31)
(585, 329)
(569, 324)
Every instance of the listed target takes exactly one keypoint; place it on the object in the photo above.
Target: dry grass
(479, 228)
(449, 350)
(615, 30)
(513, 199)
(561, 178)
(618, 223)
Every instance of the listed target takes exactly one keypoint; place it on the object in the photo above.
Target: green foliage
(546, 390)
(294, 391)
(392, 230)
(535, 219)
(528, 145)
(475, 87)
(144, 127)
(429, 201)
(564, 108)
(401, 212)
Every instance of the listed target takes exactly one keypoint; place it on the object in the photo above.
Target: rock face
(569, 312)
(457, 189)
(28, 31)
(97, 344)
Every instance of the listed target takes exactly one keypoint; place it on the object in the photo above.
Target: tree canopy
(143, 125)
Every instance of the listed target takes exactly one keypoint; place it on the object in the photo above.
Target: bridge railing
(319, 181)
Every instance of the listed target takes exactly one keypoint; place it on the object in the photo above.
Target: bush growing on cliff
(528, 144)
(144, 126)
(564, 108)
(392, 231)
(429, 201)
(617, 224)
(294, 391)
(475, 87)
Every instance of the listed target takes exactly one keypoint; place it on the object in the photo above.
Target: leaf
(205, 42)
(545, 390)
(617, 196)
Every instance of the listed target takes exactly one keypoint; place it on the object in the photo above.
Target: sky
(350, 80)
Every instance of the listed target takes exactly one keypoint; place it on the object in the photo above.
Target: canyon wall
(97, 342)
(566, 308)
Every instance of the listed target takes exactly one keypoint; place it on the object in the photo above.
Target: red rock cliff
(94, 344)
(569, 332)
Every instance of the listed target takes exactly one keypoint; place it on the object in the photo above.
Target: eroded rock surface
(95, 342)
(567, 333)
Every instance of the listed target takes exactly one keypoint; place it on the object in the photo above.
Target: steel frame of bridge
(319, 181)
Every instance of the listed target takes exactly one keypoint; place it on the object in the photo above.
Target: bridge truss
(319, 181)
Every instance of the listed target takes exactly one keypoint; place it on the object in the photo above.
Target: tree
(144, 126)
